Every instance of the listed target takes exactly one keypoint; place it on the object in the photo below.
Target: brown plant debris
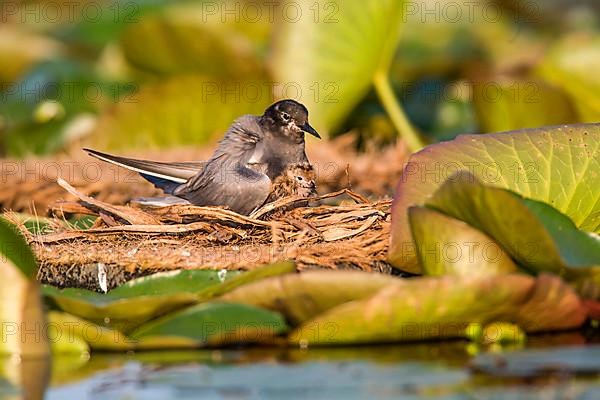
(128, 242)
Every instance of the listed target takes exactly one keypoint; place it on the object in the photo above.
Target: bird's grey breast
(276, 154)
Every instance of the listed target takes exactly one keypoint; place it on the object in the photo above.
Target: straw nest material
(131, 241)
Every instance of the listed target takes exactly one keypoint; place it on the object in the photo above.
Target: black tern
(254, 152)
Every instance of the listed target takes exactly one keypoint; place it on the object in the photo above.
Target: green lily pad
(139, 300)
(258, 274)
(20, 301)
(20, 49)
(167, 44)
(556, 165)
(15, 250)
(535, 234)
(568, 66)
(331, 52)
(93, 32)
(450, 246)
(69, 334)
(303, 296)
(446, 307)
(210, 324)
(502, 105)
(136, 301)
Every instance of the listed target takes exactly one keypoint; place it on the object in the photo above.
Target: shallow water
(457, 370)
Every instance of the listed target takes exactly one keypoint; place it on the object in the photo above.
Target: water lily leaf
(258, 274)
(108, 23)
(450, 246)
(210, 324)
(444, 307)
(303, 296)
(138, 300)
(530, 363)
(556, 165)
(535, 234)
(229, 49)
(20, 49)
(568, 66)
(331, 52)
(15, 250)
(69, 334)
(502, 105)
(20, 302)
(182, 110)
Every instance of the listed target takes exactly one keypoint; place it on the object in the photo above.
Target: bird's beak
(309, 129)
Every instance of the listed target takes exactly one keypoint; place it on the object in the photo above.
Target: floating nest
(126, 242)
(345, 231)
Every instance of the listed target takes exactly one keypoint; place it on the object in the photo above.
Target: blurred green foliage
(124, 73)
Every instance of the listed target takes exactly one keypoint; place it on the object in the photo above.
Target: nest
(131, 241)
(29, 186)
(349, 232)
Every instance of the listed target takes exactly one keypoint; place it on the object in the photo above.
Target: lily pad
(258, 274)
(167, 43)
(450, 246)
(503, 104)
(139, 300)
(535, 234)
(136, 301)
(331, 51)
(210, 324)
(69, 334)
(20, 303)
(568, 66)
(556, 165)
(303, 296)
(445, 307)
(15, 250)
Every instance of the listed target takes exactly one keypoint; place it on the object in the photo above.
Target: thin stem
(392, 107)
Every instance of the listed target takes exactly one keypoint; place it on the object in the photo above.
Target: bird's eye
(285, 116)
(299, 178)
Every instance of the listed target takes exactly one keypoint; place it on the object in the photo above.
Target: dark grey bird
(253, 153)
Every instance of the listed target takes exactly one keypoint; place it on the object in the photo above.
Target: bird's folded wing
(241, 189)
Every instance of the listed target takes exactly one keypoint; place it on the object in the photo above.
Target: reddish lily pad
(446, 307)
(556, 165)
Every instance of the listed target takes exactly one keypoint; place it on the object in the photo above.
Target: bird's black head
(288, 118)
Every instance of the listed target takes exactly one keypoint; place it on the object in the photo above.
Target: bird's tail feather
(165, 185)
(164, 175)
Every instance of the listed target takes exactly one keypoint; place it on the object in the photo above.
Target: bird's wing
(241, 140)
(231, 157)
(177, 172)
(241, 189)
(228, 178)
